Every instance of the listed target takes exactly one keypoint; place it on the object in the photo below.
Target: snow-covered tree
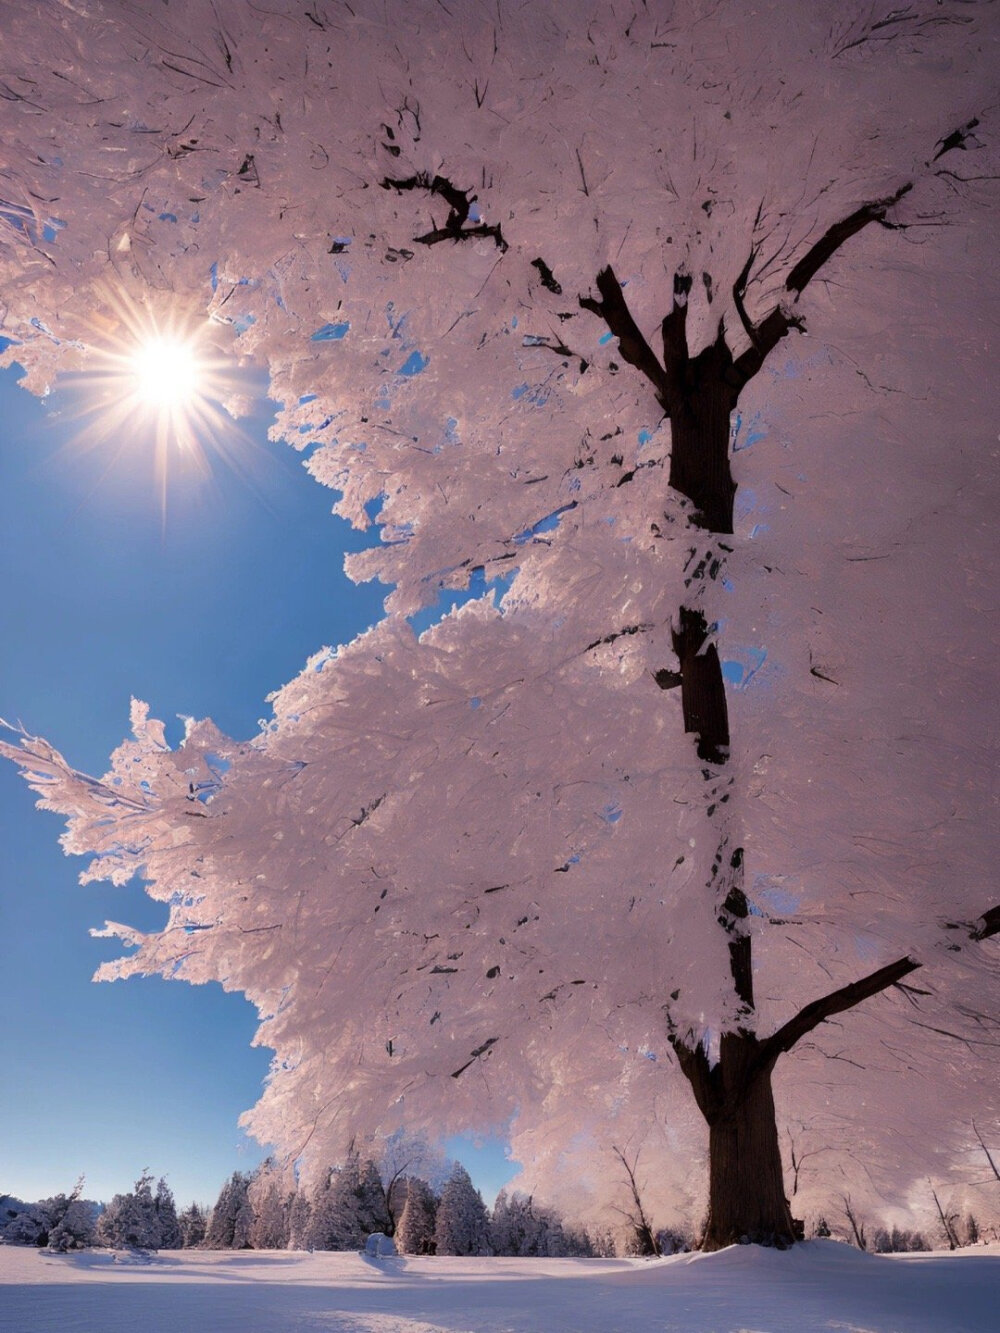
(269, 1196)
(415, 1229)
(299, 1218)
(348, 1206)
(166, 1217)
(21, 1223)
(462, 1224)
(71, 1221)
(399, 1156)
(62, 1222)
(192, 1223)
(684, 809)
(519, 1226)
(897, 1241)
(130, 1220)
(231, 1220)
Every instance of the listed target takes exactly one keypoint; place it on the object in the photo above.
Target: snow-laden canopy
(463, 877)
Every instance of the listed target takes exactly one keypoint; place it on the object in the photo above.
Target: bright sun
(167, 373)
(159, 377)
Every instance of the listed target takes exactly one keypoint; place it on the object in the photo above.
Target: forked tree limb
(667, 378)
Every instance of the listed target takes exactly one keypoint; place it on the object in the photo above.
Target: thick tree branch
(811, 1015)
(739, 291)
(848, 996)
(832, 239)
(765, 335)
(612, 308)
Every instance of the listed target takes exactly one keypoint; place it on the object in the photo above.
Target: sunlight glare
(167, 373)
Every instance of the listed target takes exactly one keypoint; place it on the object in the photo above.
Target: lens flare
(155, 375)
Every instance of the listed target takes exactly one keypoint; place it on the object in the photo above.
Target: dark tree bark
(699, 394)
(746, 1190)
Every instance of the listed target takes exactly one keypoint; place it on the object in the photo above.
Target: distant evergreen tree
(232, 1217)
(130, 1220)
(521, 1227)
(395, 1200)
(298, 1220)
(192, 1224)
(514, 1229)
(897, 1241)
(415, 1232)
(400, 1156)
(70, 1220)
(348, 1207)
(317, 1231)
(166, 1213)
(601, 1243)
(21, 1223)
(462, 1225)
(270, 1206)
(579, 1244)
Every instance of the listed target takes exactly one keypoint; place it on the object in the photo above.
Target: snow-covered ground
(822, 1285)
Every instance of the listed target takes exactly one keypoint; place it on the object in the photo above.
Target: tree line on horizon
(267, 1209)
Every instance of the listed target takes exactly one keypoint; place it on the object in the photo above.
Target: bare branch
(638, 1220)
(818, 1011)
(989, 1156)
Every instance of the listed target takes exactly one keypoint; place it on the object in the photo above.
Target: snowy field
(822, 1285)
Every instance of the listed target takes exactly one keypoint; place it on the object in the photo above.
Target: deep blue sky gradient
(202, 611)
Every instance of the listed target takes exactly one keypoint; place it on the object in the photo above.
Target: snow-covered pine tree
(318, 1230)
(511, 1223)
(130, 1220)
(401, 1155)
(349, 1207)
(415, 1230)
(462, 1223)
(636, 828)
(166, 1217)
(299, 1217)
(71, 1220)
(232, 1217)
(519, 1226)
(21, 1223)
(269, 1201)
(192, 1222)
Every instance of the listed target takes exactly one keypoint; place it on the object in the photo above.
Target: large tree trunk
(746, 1190)
(699, 433)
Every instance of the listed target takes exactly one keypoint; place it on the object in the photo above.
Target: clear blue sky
(204, 615)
